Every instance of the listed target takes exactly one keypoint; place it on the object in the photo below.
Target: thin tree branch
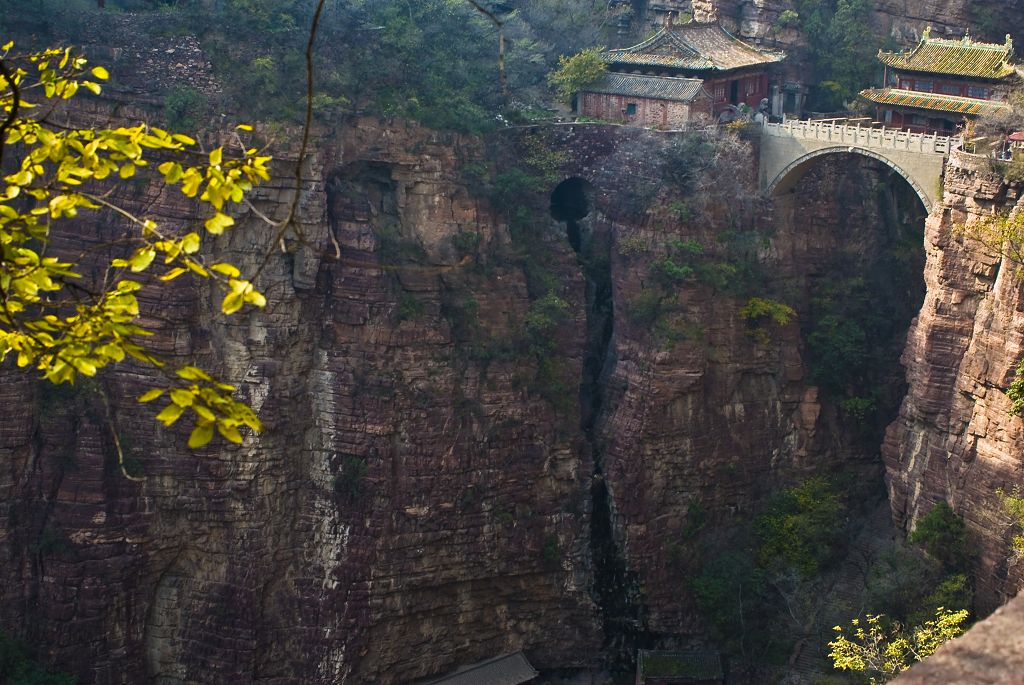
(117, 439)
(501, 44)
(306, 127)
(12, 115)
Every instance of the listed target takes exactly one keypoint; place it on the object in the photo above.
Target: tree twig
(501, 45)
(12, 115)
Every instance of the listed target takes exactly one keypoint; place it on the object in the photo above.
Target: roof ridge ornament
(927, 32)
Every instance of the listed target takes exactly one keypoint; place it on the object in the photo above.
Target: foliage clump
(1013, 504)
(801, 528)
(1015, 392)
(349, 480)
(882, 649)
(1002, 233)
(760, 311)
(575, 73)
(183, 108)
(18, 668)
(55, 317)
(943, 535)
(843, 46)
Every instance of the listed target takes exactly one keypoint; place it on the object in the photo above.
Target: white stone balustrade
(787, 149)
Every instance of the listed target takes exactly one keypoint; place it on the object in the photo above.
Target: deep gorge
(527, 390)
(455, 478)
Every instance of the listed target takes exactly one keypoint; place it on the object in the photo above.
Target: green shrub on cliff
(1013, 504)
(943, 535)
(758, 312)
(18, 668)
(1002, 233)
(802, 528)
(842, 46)
(183, 108)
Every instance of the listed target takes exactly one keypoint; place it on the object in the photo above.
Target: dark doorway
(734, 92)
(571, 201)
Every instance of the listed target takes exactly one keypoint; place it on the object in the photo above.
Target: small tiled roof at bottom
(681, 666)
(933, 101)
(511, 669)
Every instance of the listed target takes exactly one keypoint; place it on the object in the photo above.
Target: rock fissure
(615, 589)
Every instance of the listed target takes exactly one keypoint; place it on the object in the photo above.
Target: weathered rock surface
(409, 508)
(699, 432)
(955, 440)
(903, 21)
(422, 495)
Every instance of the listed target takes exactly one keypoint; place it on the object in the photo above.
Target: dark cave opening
(571, 201)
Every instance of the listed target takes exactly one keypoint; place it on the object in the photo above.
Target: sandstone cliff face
(900, 19)
(700, 432)
(410, 506)
(423, 495)
(955, 440)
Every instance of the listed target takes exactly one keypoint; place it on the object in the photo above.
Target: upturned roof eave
(903, 66)
(877, 96)
(710, 67)
(904, 60)
(763, 58)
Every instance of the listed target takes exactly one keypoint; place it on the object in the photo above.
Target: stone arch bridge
(788, 149)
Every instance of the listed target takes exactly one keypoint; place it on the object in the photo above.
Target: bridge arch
(788, 148)
(791, 174)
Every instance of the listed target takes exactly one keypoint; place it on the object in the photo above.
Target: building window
(631, 109)
(719, 92)
(925, 86)
(752, 86)
(950, 89)
(977, 92)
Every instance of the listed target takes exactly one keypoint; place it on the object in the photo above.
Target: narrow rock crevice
(615, 589)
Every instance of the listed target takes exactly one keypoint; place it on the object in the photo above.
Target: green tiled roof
(681, 666)
(658, 87)
(932, 101)
(695, 47)
(954, 57)
(511, 669)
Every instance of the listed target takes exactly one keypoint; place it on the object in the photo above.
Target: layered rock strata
(955, 440)
(423, 496)
(412, 504)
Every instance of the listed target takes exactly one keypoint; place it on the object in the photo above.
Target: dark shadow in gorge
(615, 590)
(571, 202)
(866, 287)
(847, 253)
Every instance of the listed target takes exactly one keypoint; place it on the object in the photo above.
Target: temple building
(936, 85)
(652, 101)
(729, 71)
